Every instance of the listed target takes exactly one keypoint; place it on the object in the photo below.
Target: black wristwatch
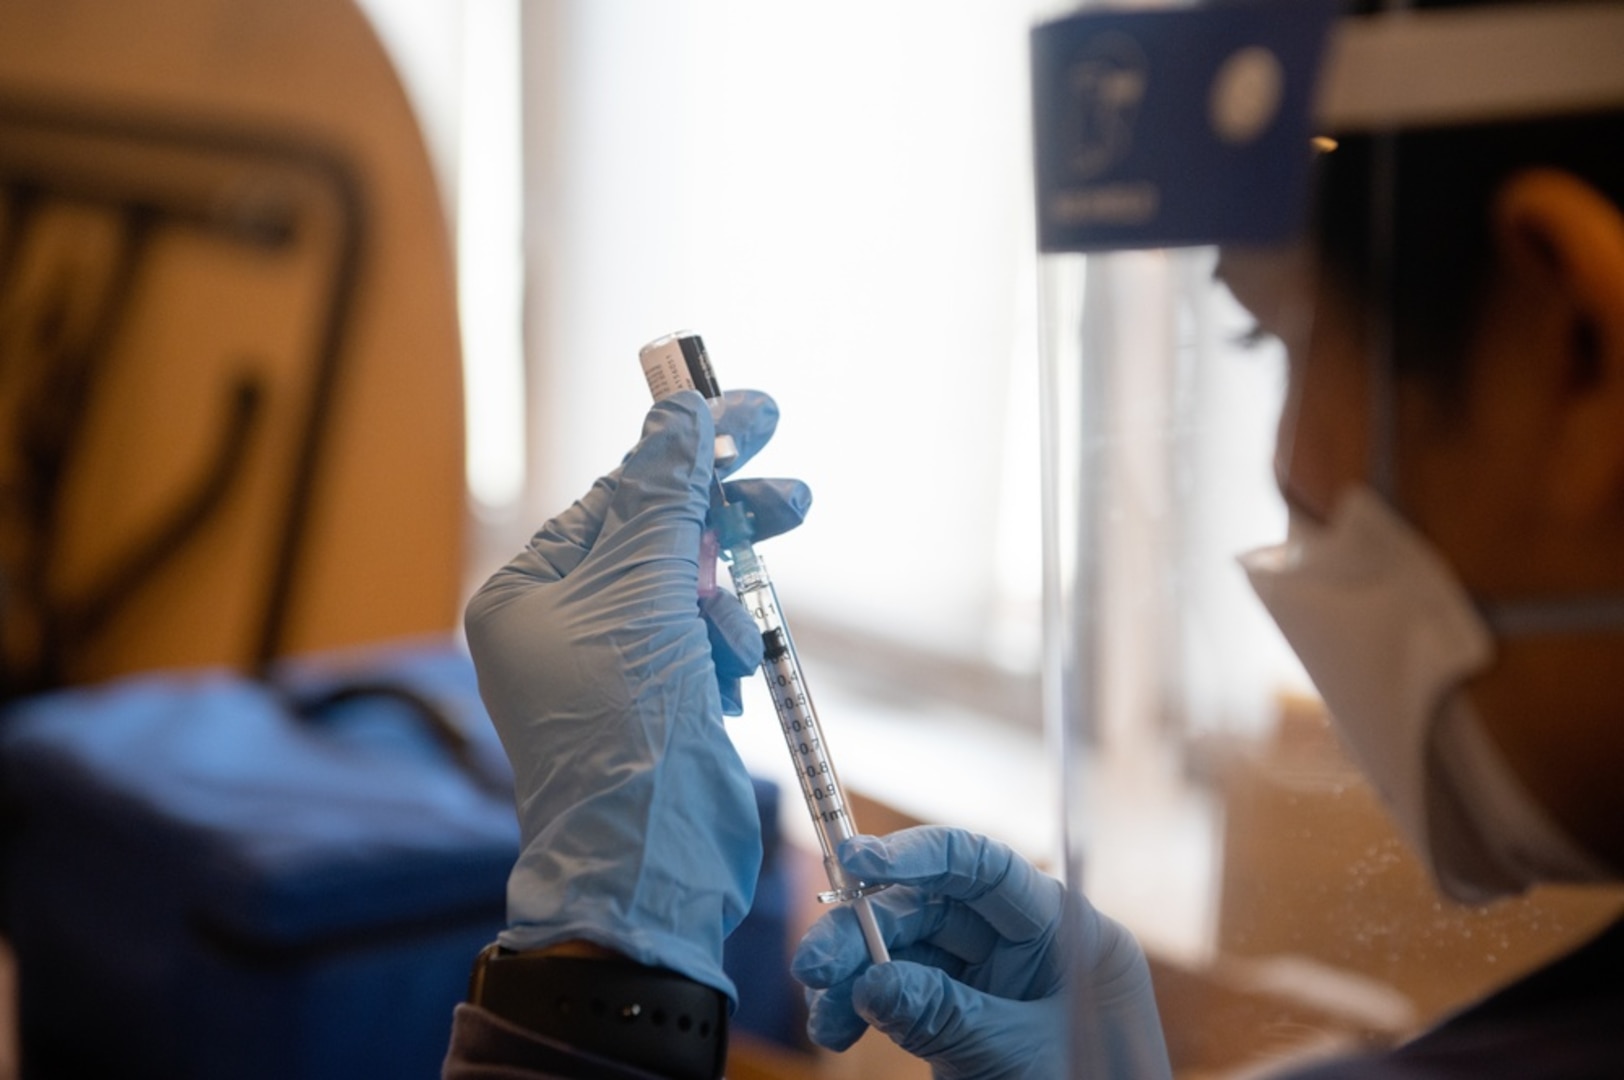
(645, 1017)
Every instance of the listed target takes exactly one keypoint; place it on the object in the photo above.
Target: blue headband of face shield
(1177, 127)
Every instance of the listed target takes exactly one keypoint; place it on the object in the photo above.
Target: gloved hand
(980, 958)
(638, 823)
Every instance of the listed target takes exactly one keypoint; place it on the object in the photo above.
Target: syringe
(678, 362)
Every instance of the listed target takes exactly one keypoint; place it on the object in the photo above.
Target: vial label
(678, 362)
(665, 369)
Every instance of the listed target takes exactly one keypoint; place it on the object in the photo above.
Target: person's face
(1492, 472)
(1461, 471)
(1322, 444)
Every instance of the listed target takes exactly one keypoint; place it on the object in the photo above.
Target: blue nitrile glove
(638, 823)
(979, 962)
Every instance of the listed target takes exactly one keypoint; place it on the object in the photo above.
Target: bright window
(837, 196)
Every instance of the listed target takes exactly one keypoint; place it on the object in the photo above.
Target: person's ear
(1558, 234)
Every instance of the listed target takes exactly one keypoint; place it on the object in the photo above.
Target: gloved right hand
(981, 954)
(605, 677)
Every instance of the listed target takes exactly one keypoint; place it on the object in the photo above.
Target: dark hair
(1444, 183)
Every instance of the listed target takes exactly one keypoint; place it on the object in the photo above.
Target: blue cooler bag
(215, 877)
(211, 877)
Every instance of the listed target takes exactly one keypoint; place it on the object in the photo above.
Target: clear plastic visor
(1210, 804)
(1162, 395)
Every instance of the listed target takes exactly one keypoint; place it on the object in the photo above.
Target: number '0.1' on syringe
(679, 362)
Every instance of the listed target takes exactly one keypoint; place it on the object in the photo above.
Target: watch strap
(645, 1017)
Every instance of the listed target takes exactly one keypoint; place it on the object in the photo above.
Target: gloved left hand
(980, 954)
(638, 823)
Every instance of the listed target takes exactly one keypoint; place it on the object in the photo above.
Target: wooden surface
(382, 555)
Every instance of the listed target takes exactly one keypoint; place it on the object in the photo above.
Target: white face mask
(1389, 636)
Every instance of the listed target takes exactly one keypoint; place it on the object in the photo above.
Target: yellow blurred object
(230, 388)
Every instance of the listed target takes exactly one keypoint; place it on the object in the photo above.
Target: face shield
(1209, 805)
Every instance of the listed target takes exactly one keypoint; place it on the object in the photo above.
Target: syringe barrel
(678, 362)
(798, 717)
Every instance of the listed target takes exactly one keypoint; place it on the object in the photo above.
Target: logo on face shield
(1246, 95)
(1108, 83)
(1177, 124)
